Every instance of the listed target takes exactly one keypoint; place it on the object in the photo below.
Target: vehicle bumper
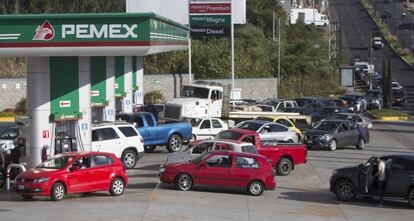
(398, 103)
(317, 143)
(373, 106)
(34, 189)
(166, 177)
(270, 184)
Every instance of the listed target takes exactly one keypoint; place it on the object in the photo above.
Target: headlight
(41, 180)
(7, 146)
(162, 169)
(326, 137)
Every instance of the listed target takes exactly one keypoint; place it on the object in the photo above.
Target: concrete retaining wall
(12, 90)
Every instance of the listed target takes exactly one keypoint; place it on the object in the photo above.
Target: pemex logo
(44, 32)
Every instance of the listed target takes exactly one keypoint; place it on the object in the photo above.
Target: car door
(366, 178)
(400, 177)
(216, 170)
(216, 127)
(105, 139)
(81, 180)
(151, 127)
(244, 169)
(101, 170)
(204, 129)
(342, 136)
(282, 133)
(354, 133)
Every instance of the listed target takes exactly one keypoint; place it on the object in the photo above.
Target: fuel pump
(67, 137)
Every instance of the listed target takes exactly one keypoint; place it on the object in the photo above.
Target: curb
(7, 119)
(390, 118)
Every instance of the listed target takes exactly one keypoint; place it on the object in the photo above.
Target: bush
(153, 97)
(21, 106)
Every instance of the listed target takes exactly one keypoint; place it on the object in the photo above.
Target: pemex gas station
(81, 68)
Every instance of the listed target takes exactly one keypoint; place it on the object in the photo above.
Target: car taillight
(142, 140)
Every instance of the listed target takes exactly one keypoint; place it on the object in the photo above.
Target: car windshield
(252, 126)
(229, 135)
(9, 134)
(56, 163)
(201, 157)
(398, 93)
(340, 116)
(189, 91)
(195, 122)
(327, 126)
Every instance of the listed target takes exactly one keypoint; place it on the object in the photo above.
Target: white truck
(205, 99)
(309, 16)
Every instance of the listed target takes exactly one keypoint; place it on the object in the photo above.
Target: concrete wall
(252, 88)
(12, 90)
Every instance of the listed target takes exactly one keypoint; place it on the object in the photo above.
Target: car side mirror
(74, 168)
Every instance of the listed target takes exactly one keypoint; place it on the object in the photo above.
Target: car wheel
(129, 158)
(411, 198)
(184, 182)
(255, 188)
(332, 145)
(175, 143)
(149, 149)
(27, 197)
(117, 187)
(58, 192)
(284, 167)
(361, 144)
(345, 190)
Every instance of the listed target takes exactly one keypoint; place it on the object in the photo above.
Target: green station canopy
(103, 34)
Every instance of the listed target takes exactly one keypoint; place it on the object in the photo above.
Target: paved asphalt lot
(303, 195)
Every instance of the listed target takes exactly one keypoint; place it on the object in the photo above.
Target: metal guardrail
(13, 165)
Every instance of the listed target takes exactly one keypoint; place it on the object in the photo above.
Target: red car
(218, 168)
(75, 172)
(284, 156)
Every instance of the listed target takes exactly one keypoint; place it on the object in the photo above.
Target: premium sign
(210, 8)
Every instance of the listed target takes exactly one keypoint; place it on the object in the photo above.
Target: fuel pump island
(81, 68)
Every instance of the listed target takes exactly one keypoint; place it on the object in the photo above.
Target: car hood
(318, 132)
(179, 157)
(185, 100)
(348, 169)
(35, 173)
(178, 164)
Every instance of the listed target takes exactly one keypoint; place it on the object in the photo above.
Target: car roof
(81, 153)
(244, 154)
(407, 156)
(336, 121)
(243, 131)
(223, 140)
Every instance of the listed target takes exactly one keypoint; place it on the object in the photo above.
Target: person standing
(381, 178)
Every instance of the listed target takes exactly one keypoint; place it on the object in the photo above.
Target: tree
(387, 84)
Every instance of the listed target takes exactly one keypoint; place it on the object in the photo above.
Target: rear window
(128, 131)
(249, 149)
(247, 163)
(229, 135)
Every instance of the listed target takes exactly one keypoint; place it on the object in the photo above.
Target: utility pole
(278, 60)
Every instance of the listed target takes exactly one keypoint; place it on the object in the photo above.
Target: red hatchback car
(218, 168)
(75, 172)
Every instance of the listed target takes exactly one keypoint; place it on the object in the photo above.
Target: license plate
(20, 187)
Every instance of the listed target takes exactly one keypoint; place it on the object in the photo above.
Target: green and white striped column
(123, 83)
(138, 79)
(56, 89)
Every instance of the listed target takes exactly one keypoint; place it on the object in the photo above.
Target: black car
(313, 102)
(374, 99)
(399, 97)
(333, 133)
(346, 183)
(328, 112)
(315, 116)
